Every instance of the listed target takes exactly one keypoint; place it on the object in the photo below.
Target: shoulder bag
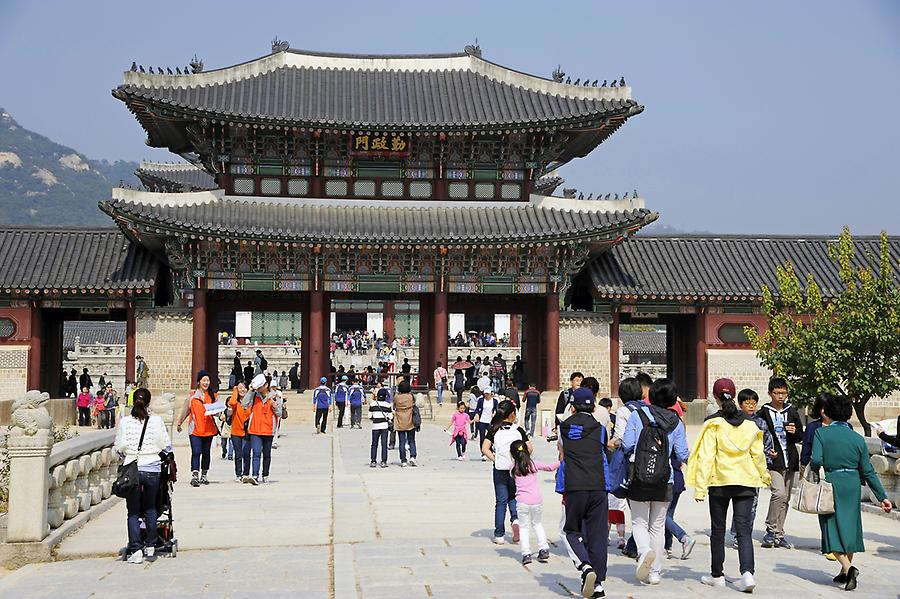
(816, 495)
(127, 481)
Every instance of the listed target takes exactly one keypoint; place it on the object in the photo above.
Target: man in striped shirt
(380, 414)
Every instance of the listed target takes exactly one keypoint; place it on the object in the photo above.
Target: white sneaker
(136, 558)
(499, 541)
(459, 459)
(745, 583)
(412, 462)
(645, 562)
(238, 479)
(484, 458)
(403, 464)
(713, 581)
(265, 480)
(653, 578)
(149, 552)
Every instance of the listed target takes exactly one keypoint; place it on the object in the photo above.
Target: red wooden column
(34, 350)
(533, 331)
(700, 355)
(614, 354)
(388, 320)
(316, 339)
(551, 343)
(425, 341)
(439, 342)
(198, 336)
(130, 352)
(514, 330)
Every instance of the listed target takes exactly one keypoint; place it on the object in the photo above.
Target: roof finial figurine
(178, 70)
(581, 196)
(196, 65)
(473, 50)
(141, 69)
(626, 195)
(151, 70)
(169, 71)
(594, 83)
(558, 74)
(577, 81)
(635, 193)
(603, 84)
(590, 196)
(622, 82)
(568, 80)
(133, 67)
(607, 197)
(617, 196)
(279, 45)
(613, 84)
(159, 70)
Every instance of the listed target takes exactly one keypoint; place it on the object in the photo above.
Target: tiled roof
(720, 267)
(73, 259)
(334, 221)
(414, 92)
(643, 342)
(174, 177)
(547, 185)
(103, 333)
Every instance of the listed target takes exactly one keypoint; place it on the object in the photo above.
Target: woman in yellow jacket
(729, 465)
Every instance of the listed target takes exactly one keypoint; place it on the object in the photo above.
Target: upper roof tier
(174, 177)
(461, 91)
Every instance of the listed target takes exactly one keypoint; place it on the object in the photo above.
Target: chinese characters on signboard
(388, 144)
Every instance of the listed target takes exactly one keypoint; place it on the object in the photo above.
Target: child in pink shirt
(529, 503)
(460, 423)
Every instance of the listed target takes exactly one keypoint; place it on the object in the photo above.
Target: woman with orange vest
(239, 440)
(264, 409)
(202, 428)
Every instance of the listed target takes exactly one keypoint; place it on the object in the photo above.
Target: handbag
(127, 481)
(284, 412)
(816, 495)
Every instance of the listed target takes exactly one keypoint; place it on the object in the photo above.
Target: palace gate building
(411, 182)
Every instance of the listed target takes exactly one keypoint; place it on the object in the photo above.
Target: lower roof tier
(541, 220)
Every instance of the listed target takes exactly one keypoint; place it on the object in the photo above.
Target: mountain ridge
(46, 183)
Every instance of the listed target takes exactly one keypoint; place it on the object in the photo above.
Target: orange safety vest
(262, 417)
(204, 426)
(239, 415)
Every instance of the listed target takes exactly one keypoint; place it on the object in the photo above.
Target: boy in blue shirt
(341, 391)
(356, 393)
(322, 401)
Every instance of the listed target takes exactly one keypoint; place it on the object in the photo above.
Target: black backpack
(263, 363)
(650, 477)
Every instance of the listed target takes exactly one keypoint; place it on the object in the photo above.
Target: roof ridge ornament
(473, 50)
(558, 74)
(196, 65)
(279, 45)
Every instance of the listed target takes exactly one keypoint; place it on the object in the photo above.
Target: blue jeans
(672, 528)
(505, 492)
(752, 515)
(380, 436)
(530, 419)
(143, 505)
(200, 447)
(409, 436)
(460, 445)
(227, 447)
(261, 444)
(440, 390)
(241, 455)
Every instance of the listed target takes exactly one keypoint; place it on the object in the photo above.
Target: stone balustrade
(50, 484)
(887, 467)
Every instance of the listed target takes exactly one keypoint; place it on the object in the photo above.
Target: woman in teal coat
(844, 456)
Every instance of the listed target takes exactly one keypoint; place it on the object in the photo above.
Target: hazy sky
(761, 117)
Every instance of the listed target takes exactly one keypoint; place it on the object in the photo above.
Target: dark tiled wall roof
(643, 342)
(407, 99)
(720, 266)
(100, 259)
(104, 333)
(343, 223)
(182, 178)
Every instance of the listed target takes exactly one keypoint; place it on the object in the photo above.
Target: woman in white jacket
(142, 504)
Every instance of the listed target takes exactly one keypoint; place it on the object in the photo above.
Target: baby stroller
(166, 543)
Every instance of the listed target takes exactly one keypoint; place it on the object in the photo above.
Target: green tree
(848, 343)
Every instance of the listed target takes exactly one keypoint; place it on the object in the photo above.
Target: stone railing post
(28, 465)
(107, 471)
(81, 483)
(56, 511)
(69, 491)
(94, 479)
(29, 443)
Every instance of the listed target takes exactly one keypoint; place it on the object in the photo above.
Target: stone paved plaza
(328, 526)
